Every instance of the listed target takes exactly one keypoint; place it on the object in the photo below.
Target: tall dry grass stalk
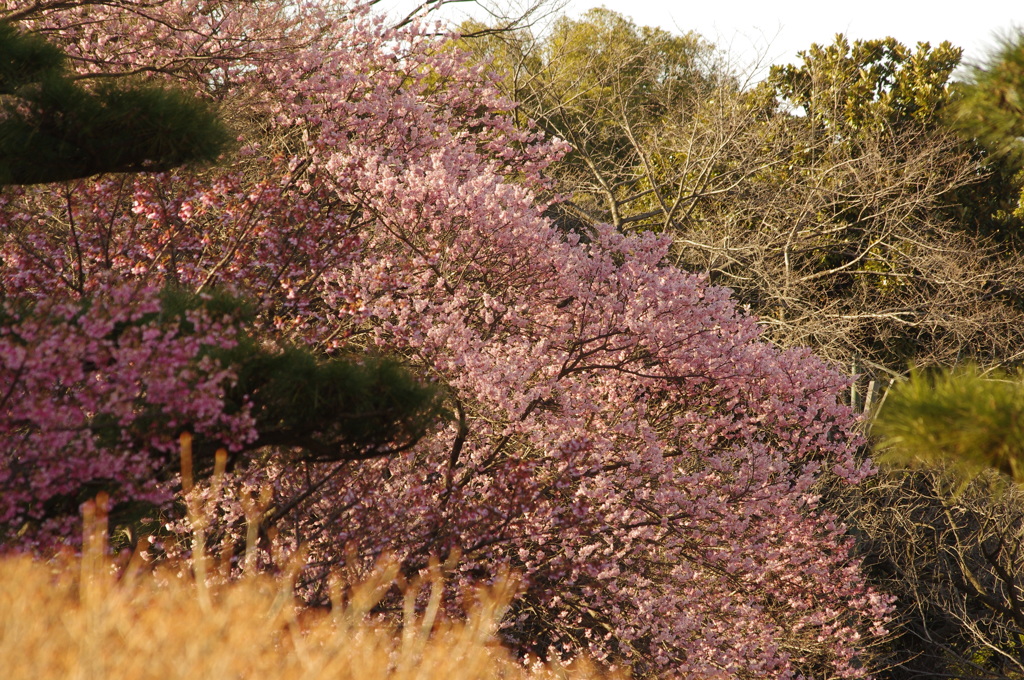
(84, 618)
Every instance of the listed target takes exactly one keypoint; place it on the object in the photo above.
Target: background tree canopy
(833, 197)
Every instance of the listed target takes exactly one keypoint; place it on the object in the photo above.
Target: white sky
(778, 29)
(781, 28)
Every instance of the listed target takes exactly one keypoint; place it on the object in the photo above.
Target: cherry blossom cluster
(620, 434)
(92, 387)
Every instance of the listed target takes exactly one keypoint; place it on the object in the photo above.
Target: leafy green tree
(859, 96)
(851, 91)
(606, 86)
(868, 86)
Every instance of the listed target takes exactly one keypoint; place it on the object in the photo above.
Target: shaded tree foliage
(952, 553)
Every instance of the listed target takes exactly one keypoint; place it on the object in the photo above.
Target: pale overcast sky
(779, 29)
(789, 26)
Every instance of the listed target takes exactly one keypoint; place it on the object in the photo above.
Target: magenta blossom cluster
(619, 434)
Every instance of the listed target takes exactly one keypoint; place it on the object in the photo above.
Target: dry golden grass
(75, 619)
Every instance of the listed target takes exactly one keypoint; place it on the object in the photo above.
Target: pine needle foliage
(992, 107)
(335, 408)
(970, 418)
(347, 407)
(25, 58)
(53, 128)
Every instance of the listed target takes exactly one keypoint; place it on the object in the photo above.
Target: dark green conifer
(56, 127)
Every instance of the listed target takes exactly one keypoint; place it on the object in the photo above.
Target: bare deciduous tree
(953, 555)
(836, 226)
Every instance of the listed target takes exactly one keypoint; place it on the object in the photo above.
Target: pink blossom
(621, 435)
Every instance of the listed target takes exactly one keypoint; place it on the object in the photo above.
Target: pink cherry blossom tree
(618, 432)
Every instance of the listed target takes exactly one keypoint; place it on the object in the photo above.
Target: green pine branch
(53, 128)
(970, 419)
(991, 109)
(331, 408)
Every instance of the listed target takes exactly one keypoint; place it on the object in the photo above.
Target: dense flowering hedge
(618, 432)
